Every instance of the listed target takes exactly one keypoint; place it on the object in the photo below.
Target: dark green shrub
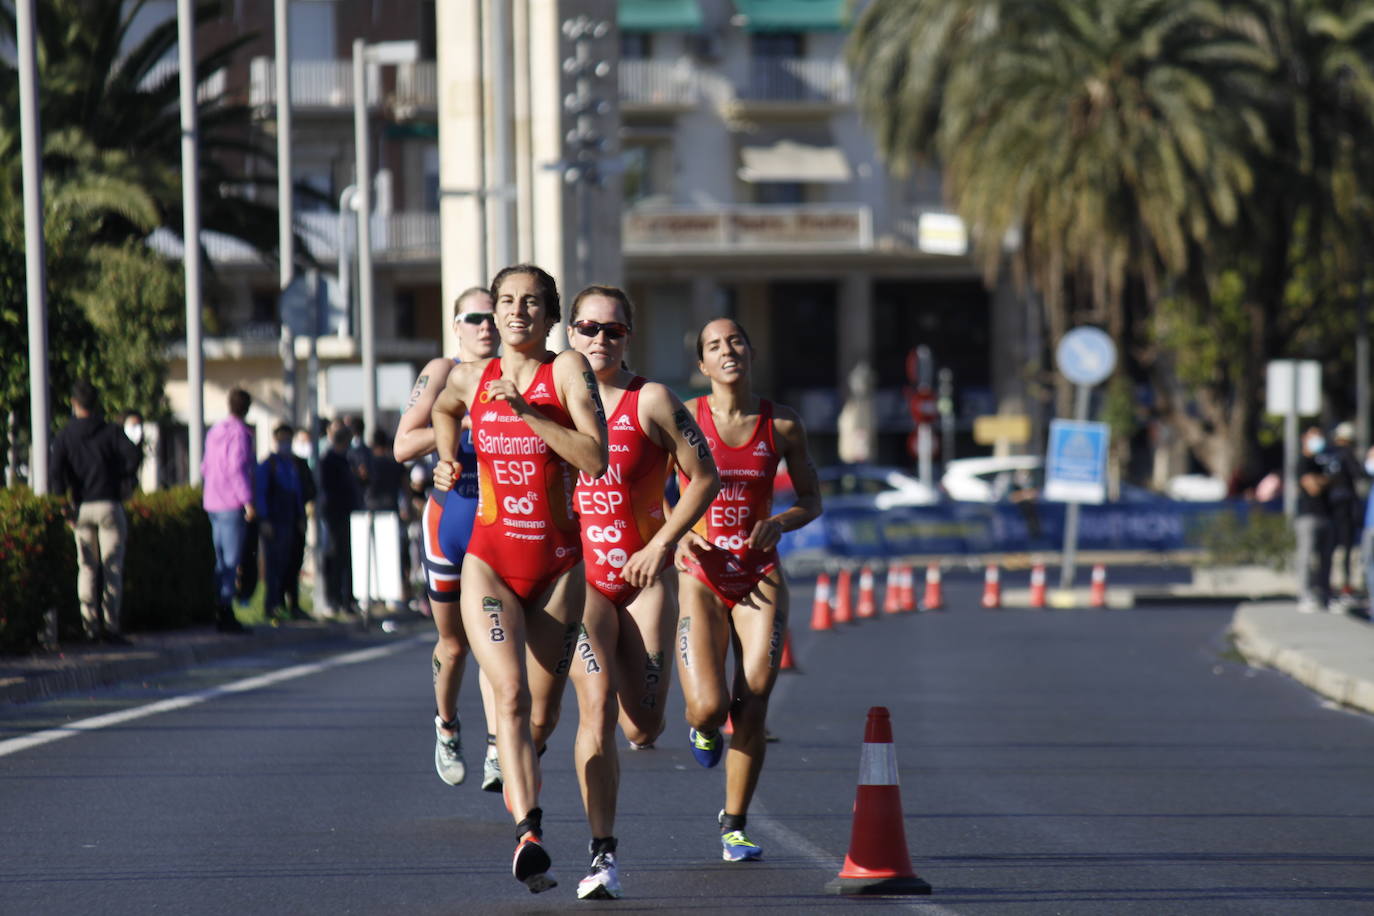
(37, 567)
(169, 566)
(1261, 538)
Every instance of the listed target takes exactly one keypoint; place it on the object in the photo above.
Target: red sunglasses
(614, 329)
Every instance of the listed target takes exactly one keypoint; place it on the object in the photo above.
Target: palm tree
(1141, 150)
(123, 98)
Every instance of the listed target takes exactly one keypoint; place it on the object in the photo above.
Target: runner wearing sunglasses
(731, 586)
(627, 543)
(447, 525)
(536, 418)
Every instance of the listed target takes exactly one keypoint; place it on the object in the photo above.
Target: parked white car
(988, 480)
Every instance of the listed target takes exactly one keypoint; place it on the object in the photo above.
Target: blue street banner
(1076, 462)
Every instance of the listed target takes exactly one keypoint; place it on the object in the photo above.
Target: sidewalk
(82, 666)
(1333, 654)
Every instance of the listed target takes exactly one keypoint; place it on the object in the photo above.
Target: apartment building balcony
(792, 86)
(658, 86)
(746, 230)
(327, 86)
(397, 238)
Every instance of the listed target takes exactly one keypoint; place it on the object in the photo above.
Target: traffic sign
(1284, 392)
(1086, 355)
(994, 428)
(1076, 463)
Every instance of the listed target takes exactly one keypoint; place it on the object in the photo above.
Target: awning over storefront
(788, 160)
(793, 15)
(658, 15)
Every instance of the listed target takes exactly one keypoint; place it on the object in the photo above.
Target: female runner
(447, 526)
(732, 589)
(626, 543)
(536, 417)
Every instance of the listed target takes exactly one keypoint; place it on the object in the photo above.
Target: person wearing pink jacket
(227, 472)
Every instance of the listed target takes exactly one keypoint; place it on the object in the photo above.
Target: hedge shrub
(168, 565)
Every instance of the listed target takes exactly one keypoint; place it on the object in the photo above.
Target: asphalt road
(1051, 762)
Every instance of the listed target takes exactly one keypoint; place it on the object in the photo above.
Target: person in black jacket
(340, 496)
(92, 459)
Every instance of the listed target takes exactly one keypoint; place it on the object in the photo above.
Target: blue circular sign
(1086, 355)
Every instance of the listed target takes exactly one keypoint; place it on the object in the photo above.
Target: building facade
(705, 154)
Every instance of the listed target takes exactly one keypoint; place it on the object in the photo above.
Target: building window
(648, 171)
(264, 306)
(405, 314)
(636, 45)
(791, 193)
(429, 40)
(777, 44)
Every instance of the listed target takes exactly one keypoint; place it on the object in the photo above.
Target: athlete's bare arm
(790, 435)
(584, 447)
(671, 427)
(414, 434)
(447, 416)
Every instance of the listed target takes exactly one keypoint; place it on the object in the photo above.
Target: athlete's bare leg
(495, 621)
(594, 751)
(642, 668)
(551, 627)
(703, 633)
(450, 654)
(759, 624)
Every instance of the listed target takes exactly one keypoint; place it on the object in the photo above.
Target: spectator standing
(280, 502)
(132, 422)
(1344, 498)
(382, 493)
(1367, 538)
(1312, 527)
(340, 496)
(291, 584)
(92, 459)
(227, 471)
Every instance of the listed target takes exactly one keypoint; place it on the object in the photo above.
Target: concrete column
(858, 429)
(462, 261)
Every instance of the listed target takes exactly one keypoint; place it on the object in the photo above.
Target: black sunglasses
(475, 317)
(614, 329)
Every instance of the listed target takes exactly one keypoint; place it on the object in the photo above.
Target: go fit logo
(520, 505)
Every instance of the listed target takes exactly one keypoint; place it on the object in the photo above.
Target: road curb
(1332, 655)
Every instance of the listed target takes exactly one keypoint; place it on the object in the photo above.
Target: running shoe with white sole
(531, 864)
(491, 773)
(602, 882)
(735, 846)
(448, 755)
(706, 749)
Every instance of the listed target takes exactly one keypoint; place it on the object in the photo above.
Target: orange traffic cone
(905, 578)
(933, 599)
(878, 861)
(1037, 589)
(992, 587)
(788, 663)
(1098, 596)
(844, 605)
(820, 606)
(868, 602)
(892, 592)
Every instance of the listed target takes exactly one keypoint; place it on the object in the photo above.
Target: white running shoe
(491, 773)
(602, 882)
(448, 755)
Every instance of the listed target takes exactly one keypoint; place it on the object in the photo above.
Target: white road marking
(15, 745)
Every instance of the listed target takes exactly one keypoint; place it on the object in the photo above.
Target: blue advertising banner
(956, 527)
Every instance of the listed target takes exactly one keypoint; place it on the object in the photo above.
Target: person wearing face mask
(280, 505)
(1312, 527)
(132, 422)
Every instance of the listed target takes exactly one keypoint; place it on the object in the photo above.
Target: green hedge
(37, 567)
(169, 566)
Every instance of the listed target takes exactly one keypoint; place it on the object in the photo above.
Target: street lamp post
(36, 283)
(285, 203)
(190, 203)
(385, 52)
(584, 168)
